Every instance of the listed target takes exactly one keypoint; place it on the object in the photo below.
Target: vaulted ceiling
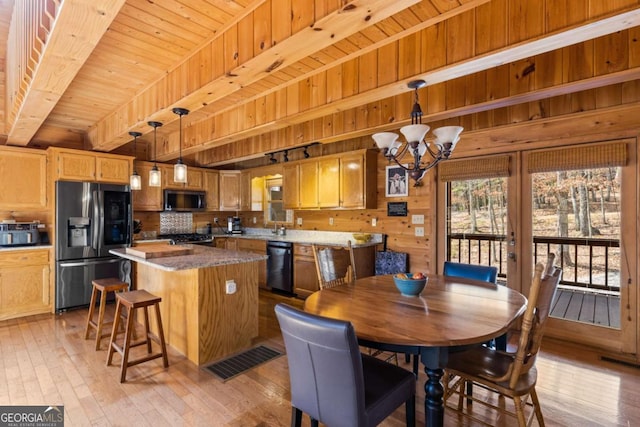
(260, 75)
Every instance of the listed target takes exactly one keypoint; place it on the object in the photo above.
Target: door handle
(511, 256)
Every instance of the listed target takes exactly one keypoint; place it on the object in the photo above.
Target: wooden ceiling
(260, 75)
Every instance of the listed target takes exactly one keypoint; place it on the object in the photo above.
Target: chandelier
(446, 138)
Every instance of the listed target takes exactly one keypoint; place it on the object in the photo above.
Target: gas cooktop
(187, 237)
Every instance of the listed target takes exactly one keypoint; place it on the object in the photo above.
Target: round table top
(450, 311)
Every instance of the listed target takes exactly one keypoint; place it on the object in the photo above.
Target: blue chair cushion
(471, 271)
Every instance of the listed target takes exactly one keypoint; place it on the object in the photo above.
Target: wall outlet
(330, 220)
(419, 231)
(215, 220)
(299, 221)
(230, 286)
(255, 220)
(417, 219)
(374, 222)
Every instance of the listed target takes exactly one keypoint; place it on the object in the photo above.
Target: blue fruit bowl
(409, 287)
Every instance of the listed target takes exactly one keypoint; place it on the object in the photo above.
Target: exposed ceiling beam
(217, 156)
(79, 26)
(519, 51)
(112, 131)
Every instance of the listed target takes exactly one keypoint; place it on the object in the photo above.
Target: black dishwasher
(280, 266)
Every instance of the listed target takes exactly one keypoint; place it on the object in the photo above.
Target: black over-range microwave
(181, 200)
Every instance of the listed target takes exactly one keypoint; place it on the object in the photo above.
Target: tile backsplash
(176, 222)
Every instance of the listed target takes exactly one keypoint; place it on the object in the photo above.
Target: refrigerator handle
(129, 241)
(95, 229)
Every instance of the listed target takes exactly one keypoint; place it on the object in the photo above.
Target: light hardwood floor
(44, 360)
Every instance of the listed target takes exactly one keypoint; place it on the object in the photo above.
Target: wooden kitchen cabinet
(230, 190)
(211, 181)
(26, 171)
(257, 246)
(148, 198)
(220, 242)
(245, 191)
(329, 176)
(290, 193)
(343, 181)
(231, 244)
(195, 179)
(305, 277)
(114, 169)
(74, 165)
(25, 283)
(358, 179)
(300, 182)
(79, 165)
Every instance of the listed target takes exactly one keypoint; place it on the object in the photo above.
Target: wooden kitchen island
(202, 318)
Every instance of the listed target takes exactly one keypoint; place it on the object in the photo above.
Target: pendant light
(180, 169)
(155, 178)
(135, 181)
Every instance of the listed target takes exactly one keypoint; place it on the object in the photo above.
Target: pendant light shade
(155, 176)
(135, 181)
(180, 169)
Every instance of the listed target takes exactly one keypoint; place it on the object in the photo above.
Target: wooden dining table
(450, 312)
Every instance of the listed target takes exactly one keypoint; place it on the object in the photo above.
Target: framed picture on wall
(397, 182)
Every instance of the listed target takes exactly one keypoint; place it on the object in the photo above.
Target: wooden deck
(584, 306)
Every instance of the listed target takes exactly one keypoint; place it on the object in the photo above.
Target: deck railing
(586, 263)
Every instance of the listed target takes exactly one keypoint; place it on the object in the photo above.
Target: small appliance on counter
(234, 226)
(14, 233)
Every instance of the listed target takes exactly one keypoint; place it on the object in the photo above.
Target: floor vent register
(236, 365)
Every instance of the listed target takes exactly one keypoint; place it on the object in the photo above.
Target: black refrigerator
(91, 219)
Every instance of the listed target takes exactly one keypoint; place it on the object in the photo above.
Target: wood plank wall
(569, 129)
(483, 30)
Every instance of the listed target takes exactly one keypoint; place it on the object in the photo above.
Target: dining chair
(332, 381)
(485, 273)
(335, 265)
(510, 375)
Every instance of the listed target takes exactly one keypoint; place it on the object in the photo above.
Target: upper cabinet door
(113, 169)
(211, 180)
(352, 181)
(75, 166)
(329, 182)
(195, 178)
(290, 195)
(26, 171)
(229, 190)
(308, 184)
(148, 198)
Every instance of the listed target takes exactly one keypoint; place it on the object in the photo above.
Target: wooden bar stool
(104, 286)
(131, 301)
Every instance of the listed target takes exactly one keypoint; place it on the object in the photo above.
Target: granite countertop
(202, 257)
(306, 238)
(295, 236)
